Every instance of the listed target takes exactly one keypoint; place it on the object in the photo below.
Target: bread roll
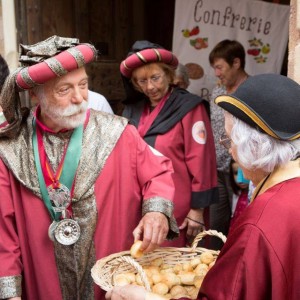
(160, 288)
(195, 262)
(177, 268)
(135, 251)
(121, 280)
(177, 289)
(198, 281)
(207, 257)
(187, 277)
(157, 277)
(201, 270)
(187, 267)
(171, 279)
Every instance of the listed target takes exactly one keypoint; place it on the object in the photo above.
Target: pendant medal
(60, 197)
(51, 230)
(67, 232)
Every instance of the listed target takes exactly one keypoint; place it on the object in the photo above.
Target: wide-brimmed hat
(144, 52)
(41, 62)
(267, 102)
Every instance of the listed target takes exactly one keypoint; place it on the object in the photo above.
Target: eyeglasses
(225, 141)
(155, 79)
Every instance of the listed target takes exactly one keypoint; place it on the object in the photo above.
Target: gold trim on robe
(166, 207)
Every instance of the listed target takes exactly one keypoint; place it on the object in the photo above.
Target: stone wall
(294, 42)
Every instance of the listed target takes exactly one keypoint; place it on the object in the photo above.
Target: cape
(176, 107)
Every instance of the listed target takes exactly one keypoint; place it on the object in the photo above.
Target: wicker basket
(105, 269)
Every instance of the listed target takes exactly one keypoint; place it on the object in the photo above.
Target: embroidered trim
(26, 77)
(158, 204)
(77, 56)
(166, 207)
(56, 66)
(10, 286)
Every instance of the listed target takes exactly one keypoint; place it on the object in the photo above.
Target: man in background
(97, 101)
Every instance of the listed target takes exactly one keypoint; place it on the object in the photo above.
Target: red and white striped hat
(145, 52)
(66, 55)
(41, 62)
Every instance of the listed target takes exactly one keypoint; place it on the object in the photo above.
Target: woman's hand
(14, 298)
(127, 292)
(194, 222)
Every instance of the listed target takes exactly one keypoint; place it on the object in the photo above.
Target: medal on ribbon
(57, 195)
(67, 232)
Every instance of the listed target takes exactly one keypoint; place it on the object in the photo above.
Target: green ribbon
(70, 165)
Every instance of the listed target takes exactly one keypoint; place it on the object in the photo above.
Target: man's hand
(152, 230)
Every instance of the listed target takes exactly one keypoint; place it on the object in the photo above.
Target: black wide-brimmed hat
(267, 102)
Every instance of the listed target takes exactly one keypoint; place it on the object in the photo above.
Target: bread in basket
(170, 271)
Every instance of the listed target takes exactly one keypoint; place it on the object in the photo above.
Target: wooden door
(111, 25)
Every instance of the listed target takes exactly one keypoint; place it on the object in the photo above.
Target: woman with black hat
(175, 123)
(260, 259)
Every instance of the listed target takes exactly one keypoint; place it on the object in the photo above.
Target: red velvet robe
(131, 173)
(260, 259)
(189, 144)
(194, 165)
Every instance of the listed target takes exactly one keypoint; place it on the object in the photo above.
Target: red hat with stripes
(52, 58)
(145, 52)
(40, 62)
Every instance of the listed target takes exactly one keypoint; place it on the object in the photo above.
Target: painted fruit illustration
(255, 42)
(260, 59)
(199, 43)
(195, 71)
(253, 52)
(185, 32)
(265, 49)
(195, 31)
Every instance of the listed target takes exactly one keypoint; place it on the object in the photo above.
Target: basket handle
(204, 233)
(129, 260)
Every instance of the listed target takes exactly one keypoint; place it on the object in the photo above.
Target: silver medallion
(51, 230)
(67, 232)
(60, 197)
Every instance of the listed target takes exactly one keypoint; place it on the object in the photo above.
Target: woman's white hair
(257, 150)
(182, 71)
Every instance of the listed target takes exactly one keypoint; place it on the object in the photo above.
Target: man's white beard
(70, 117)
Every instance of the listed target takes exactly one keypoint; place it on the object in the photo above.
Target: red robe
(189, 144)
(260, 259)
(111, 205)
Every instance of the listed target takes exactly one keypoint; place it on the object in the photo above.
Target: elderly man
(260, 259)
(74, 183)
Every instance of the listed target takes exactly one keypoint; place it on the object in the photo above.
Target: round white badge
(199, 132)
